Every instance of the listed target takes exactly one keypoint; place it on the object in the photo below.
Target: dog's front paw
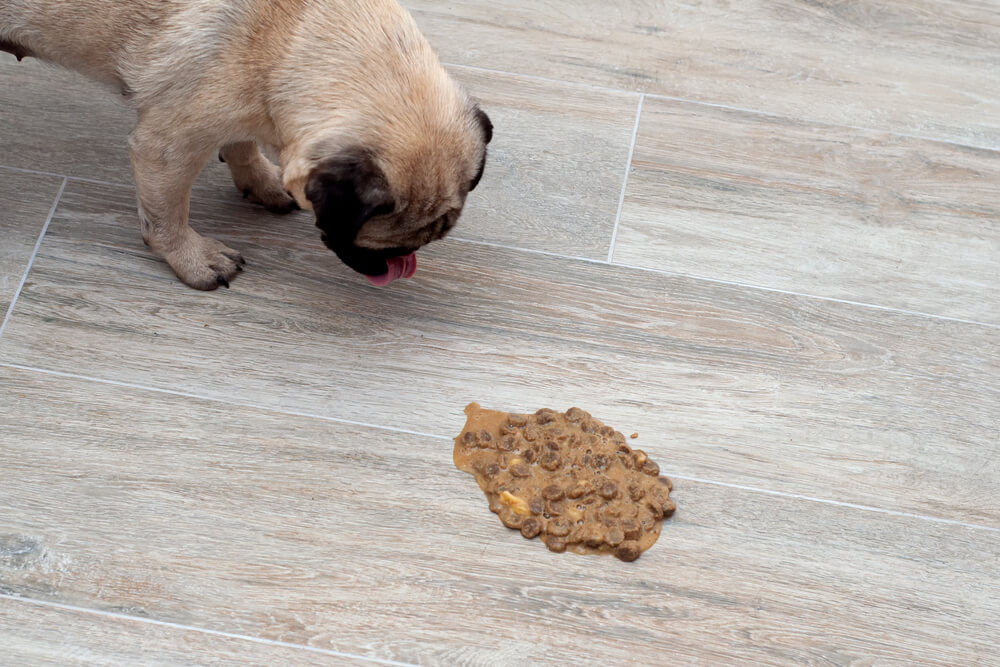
(205, 263)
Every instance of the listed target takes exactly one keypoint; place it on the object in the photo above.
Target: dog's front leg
(165, 167)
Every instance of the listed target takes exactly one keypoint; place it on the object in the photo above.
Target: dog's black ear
(346, 191)
(487, 127)
(485, 123)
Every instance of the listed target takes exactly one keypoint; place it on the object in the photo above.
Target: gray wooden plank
(922, 67)
(738, 385)
(362, 540)
(25, 202)
(33, 634)
(849, 214)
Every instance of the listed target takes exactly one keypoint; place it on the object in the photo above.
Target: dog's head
(403, 190)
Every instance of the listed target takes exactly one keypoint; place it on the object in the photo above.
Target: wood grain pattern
(25, 201)
(924, 67)
(731, 384)
(35, 635)
(349, 538)
(850, 214)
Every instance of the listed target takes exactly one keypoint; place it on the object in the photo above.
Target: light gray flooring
(765, 235)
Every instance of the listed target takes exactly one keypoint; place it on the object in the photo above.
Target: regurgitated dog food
(567, 478)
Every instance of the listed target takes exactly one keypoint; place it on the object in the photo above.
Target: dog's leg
(164, 172)
(256, 177)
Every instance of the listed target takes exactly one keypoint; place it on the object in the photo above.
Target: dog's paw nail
(221, 159)
(246, 193)
(223, 282)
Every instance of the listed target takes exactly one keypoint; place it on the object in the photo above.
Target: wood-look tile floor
(765, 234)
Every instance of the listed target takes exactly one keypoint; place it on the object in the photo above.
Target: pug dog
(372, 133)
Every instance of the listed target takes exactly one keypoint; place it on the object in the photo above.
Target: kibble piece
(628, 551)
(491, 469)
(556, 544)
(631, 529)
(580, 488)
(521, 470)
(651, 468)
(514, 419)
(531, 433)
(530, 528)
(614, 537)
(558, 528)
(511, 519)
(608, 490)
(634, 436)
(636, 492)
(537, 506)
(552, 492)
(550, 461)
(469, 438)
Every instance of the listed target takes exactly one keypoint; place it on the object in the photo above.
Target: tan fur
(308, 78)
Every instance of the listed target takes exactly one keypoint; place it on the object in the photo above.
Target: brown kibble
(636, 492)
(634, 436)
(651, 468)
(554, 507)
(545, 416)
(628, 551)
(531, 528)
(537, 506)
(578, 489)
(615, 536)
(491, 470)
(469, 438)
(576, 415)
(520, 470)
(592, 536)
(631, 529)
(552, 492)
(551, 461)
(608, 490)
(600, 462)
(556, 544)
(517, 420)
(511, 519)
(530, 455)
(485, 436)
(558, 528)
(552, 446)
(531, 433)
(667, 483)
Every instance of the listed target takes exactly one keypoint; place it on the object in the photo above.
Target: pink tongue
(399, 267)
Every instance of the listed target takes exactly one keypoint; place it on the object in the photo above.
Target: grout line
(207, 631)
(34, 253)
(214, 399)
(67, 177)
(628, 169)
(742, 487)
(720, 281)
(838, 503)
(589, 260)
(718, 105)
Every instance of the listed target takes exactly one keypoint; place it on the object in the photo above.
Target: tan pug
(372, 133)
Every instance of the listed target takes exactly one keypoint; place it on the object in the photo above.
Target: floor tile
(361, 540)
(849, 214)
